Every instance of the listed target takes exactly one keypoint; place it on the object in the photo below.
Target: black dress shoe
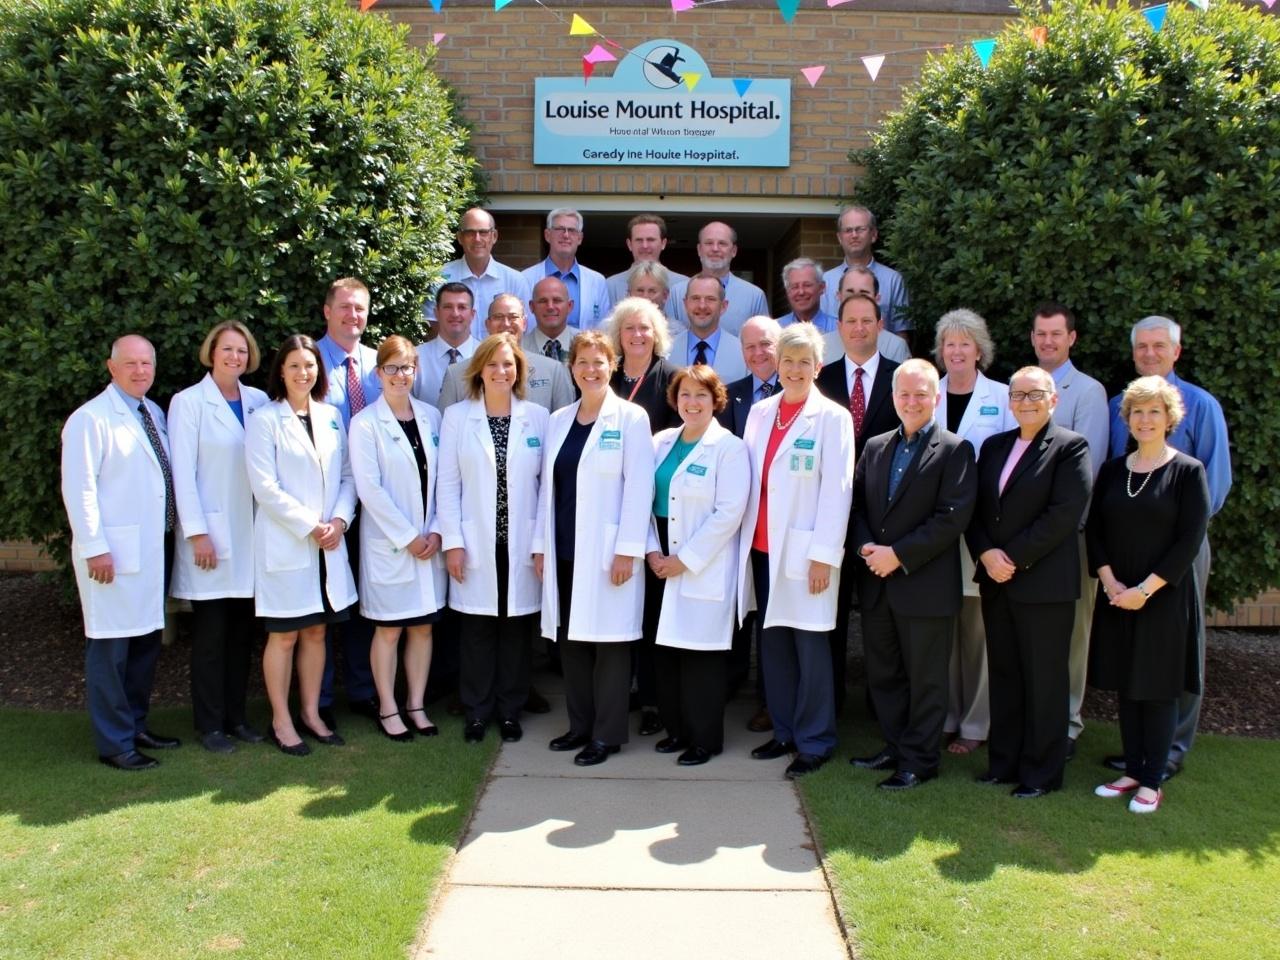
(332, 740)
(473, 732)
(597, 751)
(650, 723)
(130, 760)
(670, 745)
(246, 734)
(510, 730)
(695, 756)
(215, 741)
(570, 741)
(886, 759)
(326, 714)
(155, 741)
(1023, 792)
(989, 779)
(772, 749)
(536, 703)
(905, 780)
(760, 721)
(1171, 769)
(404, 736)
(299, 749)
(804, 764)
(1114, 762)
(430, 730)
(366, 708)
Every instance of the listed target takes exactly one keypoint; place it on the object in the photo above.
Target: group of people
(650, 485)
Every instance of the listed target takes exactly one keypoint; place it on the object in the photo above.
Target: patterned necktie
(355, 390)
(766, 390)
(700, 348)
(153, 436)
(453, 355)
(552, 349)
(857, 402)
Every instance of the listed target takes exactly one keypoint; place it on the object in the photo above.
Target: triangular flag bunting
(580, 27)
(873, 65)
(599, 54)
(984, 49)
(499, 4)
(812, 74)
(1202, 4)
(366, 4)
(588, 68)
(436, 5)
(836, 3)
(742, 86)
(1039, 35)
(788, 9)
(680, 6)
(612, 43)
(1155, 16)
(691, 80)
(437, 38)
(1269, 3)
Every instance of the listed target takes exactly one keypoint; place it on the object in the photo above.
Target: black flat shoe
(430, 730)
(772, 749)
(695, 757)
(597, 751)
(246, 734)
(905, 780)
(886, 759)
(473, 732)
(803, 765)
(130, 760)
(299, 749)
(570, 741)
(332, 740)
(403, 736)
(1023, 792)
(156, 741)
(510, 731)
(670, 745)
(215, 741)
(650, 723)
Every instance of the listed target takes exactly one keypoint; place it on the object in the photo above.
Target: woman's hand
(327, 535)
(652, 558)
(1129, 599)
(622, 569)
(667, 567)
(206, 557)
(433, 546)
(455, 562)
(819, 576)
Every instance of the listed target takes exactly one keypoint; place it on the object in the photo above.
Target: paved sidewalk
(635, 858)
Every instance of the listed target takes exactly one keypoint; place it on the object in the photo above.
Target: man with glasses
(476, 269)
(588, 291)
(856, 231)
(454, 344)
(717, 246)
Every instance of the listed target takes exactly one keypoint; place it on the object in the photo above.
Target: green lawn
(255, 854)
(957, 870)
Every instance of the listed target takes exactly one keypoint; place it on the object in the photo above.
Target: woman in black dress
(1148, 518)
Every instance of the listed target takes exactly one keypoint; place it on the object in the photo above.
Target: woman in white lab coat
(593, 518)
(487, 495)
(974, 408)
(702, 481)
(394, 458)
(213, 565)
(296, 458)
(791, 545)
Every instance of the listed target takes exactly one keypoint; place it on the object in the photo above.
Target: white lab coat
(615, 502)
(810, 493)
(212, 491)
(298, 485)
(704, 513)
(394, 584)
(114, 492)
(467, 498)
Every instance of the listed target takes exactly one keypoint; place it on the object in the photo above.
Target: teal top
(666, 471)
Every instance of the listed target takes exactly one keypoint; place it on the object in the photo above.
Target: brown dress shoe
(760, 721)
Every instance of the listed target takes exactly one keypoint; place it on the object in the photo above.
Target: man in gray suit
(549, 384)
(706, 341)
(1082, 407)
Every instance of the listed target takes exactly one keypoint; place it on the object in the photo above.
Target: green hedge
(1124, 172)
(165, 164)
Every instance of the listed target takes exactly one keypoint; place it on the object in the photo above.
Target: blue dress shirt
(335, 368)
(712, 342)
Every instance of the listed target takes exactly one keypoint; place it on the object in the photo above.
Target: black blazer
(880, 417)
(741, 396)
(1037, 518)
(651, 394)
(923, 523)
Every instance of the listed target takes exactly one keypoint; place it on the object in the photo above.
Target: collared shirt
(893, 294)
(824, 321)
(588, 290)
(905, 453)
(746, 300)
(1201, 434)
(535, 339)
(131, 403)
(869, 370)
(497, 278)
(1087, 412)
(757, 385)
(335, 368)
(433, 364)
(712, 342)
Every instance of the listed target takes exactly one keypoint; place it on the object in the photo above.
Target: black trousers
(597, 676)
(907, 659)
(1028, 645)
(1146, 732)
(643, 649)
(839, 637)
(691, 694)
(354, 635)
(494, 657)
(223, 636)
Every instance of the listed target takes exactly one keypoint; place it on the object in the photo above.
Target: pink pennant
(680, 6)
(873, 65)
(813, 73)
(836, 3)
(598, 54)
(1269, 3)
(436, 38)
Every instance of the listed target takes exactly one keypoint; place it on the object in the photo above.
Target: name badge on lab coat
(611, 440)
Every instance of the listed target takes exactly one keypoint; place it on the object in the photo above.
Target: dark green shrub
(165, 164)
(1124, 172)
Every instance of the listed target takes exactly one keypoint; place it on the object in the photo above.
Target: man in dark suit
(1033, 484)
(861, 382)
(913, 495)
(759, 336)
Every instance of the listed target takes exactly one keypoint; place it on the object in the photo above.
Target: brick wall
(16, 555)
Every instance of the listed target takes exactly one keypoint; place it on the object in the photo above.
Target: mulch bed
(42, 665)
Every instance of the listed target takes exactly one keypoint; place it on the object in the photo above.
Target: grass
(958, 870)
(254, 854)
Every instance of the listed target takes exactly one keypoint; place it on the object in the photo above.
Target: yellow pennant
(580, 27)
(691, 80)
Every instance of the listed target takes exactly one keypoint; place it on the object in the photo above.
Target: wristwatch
(1142, 589)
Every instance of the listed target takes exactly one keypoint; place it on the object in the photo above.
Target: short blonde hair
(1040, 373)
(594, 340)
(968, 324)
(1149, 389)
(235, 326)
(630, 308)
(804, 335)
(484, 353)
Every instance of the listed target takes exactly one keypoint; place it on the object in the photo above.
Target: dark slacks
(1028, 646)
(907, 659)
(118, 675)
(745, 636)
(691, 694)
(1146, 732)
(355, 636)
(494, 657)
(597, 676)
(223, 634)
(839, 637)
(642, 651)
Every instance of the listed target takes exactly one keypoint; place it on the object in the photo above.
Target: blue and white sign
(662, 107)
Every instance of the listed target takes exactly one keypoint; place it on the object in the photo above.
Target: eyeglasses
(568, 231)
(855, 230)
(475, 233)
(396, 369)
(1035, 396)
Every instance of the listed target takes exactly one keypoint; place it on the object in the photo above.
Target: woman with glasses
(402, 583)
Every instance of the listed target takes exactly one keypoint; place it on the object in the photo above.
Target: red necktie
(355, 391)
(857, 402)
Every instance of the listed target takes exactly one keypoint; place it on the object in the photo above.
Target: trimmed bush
(1124, 172)
(166, 164)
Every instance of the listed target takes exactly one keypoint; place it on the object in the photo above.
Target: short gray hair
(803, 335)
(563, 212)
(765, 322)
(624, 310)
(968, 324)
(1156, 322)
(801, 263)
(649, 268)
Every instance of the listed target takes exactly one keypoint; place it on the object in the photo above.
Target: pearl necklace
(1128, 483)
(784, 427)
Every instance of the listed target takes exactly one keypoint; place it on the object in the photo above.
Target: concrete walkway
(634, 858)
